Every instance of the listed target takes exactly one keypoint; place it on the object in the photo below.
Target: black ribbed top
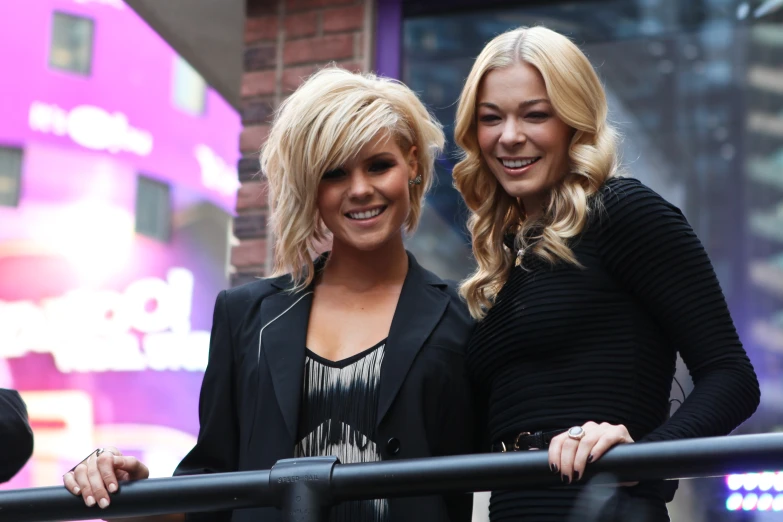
(565, 345)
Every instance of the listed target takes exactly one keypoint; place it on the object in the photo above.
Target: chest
(343, 324)
(555, 314)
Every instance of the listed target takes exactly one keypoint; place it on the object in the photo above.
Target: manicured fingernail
(552, 468)
(76, 490)
(563, 479)
(590, 459)
(576, 476)
(556, 469)
(112, 488)
(103, 503)
(90, 501)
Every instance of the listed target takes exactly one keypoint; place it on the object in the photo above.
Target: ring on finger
(576, 433)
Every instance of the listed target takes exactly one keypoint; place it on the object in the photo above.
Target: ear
(413, 161)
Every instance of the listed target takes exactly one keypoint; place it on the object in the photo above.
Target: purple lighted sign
(104, 328)
(124, 106)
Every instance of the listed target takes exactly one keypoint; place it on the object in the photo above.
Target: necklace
(520, 255)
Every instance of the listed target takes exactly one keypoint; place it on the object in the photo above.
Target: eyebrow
(526, 103)
(379, 155)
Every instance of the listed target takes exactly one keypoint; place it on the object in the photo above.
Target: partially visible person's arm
(217, 446)
(16, 437)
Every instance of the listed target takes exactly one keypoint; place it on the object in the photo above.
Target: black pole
(694, 458)
(304, 488)
(191, 494)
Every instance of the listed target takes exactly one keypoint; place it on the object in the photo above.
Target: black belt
(525, 441)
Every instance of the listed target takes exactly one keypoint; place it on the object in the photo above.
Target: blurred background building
(117, 186)
(125, 125)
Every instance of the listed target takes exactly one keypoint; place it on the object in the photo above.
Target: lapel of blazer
(282, 339)
(421, 305)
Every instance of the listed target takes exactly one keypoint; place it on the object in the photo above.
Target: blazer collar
(282, 340)
(420, 307)
(285, 316)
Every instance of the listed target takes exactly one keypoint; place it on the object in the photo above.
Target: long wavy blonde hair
(579, 100)
(321, 126)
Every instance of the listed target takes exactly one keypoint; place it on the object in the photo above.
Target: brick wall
(285, 41)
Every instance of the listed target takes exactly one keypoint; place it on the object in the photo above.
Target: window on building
(153, 208)
(10, 176)
(72, 43)
(189, 90)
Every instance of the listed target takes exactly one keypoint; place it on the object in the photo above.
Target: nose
(512, 135)
(361, 186)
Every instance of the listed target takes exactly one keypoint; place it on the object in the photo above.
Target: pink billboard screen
(104, 330)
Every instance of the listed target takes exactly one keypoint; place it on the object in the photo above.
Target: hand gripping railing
(304, 488)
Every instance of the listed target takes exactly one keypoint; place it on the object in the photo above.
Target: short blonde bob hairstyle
(320, 127)
(578, 98)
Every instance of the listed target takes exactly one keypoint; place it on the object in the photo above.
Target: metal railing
(305, 488)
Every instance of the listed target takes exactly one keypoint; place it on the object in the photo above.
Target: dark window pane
(10, 176)
(153, 209)
(71, 47)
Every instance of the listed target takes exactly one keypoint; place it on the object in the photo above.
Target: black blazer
(16, 437)
(250, 396)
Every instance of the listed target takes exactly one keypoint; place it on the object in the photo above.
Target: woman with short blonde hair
(358, 354)
(306, 141)
(588, 285)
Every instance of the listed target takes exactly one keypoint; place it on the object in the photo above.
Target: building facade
(117, 187)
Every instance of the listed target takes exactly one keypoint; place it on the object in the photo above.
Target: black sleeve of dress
(648, 245)
(217, 447)
(16, 437)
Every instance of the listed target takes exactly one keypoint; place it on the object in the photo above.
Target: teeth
(365, 215)
(517, 164)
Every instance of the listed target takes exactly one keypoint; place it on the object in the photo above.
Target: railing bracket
(304, 487)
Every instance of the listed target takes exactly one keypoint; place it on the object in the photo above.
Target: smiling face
(523, 142)
(364, 203)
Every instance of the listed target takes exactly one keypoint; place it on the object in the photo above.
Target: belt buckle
(516, 441)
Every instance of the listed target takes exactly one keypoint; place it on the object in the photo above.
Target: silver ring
(576, 433)
(100, 451)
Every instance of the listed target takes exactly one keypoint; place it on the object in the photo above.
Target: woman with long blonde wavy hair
(358, 353)
(588, 284)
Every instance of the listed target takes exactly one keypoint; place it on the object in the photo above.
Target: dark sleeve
(648, 245)
(16, 437)
(217, 447)
(478, 394)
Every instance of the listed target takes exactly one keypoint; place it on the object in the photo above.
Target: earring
(416, 181)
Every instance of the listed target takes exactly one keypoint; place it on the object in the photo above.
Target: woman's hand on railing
(571, 451)
(99, 474)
